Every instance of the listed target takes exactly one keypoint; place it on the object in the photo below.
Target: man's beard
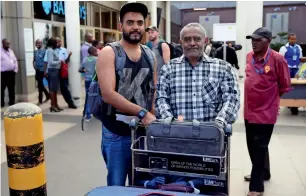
(127, 37)
(153, 39)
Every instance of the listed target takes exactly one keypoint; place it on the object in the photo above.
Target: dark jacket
(231, 56)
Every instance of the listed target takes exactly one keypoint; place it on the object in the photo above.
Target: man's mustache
(193, 48)
(135, 32)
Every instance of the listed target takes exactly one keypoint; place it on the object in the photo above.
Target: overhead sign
(57, 7)
(224, 32)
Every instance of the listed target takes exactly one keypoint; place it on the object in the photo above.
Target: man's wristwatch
(142, 113)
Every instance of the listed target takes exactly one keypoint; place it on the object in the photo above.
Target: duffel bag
(189, 137)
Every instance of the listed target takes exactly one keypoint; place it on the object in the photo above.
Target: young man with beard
(160, 49)
(267, 79)
(125, 92)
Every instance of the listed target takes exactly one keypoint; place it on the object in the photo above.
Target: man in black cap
(159, 47)
(126, 75)
(267, 78)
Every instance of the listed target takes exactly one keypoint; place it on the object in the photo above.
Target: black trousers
(8, 80)
(41, 88)
(64, 86)
(258, 138)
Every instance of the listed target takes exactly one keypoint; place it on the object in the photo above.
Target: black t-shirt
(135, 87)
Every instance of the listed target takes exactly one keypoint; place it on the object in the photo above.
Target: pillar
(17, 16)
(168, 21)
(72, 18)
(249, 17)
(153, 12)
(24, 141)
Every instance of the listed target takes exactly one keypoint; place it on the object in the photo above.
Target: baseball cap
(259, 33)
(153, 28)
(134, 7)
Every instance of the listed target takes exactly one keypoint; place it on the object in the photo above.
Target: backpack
(94, 98)
(176, 50)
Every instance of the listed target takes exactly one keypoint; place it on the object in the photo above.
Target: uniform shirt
(265, 80)
(296, 50)
(39, 56)
(8, 60)
(206, 92)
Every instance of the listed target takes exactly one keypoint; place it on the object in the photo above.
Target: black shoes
(72, 106)
(248, 178)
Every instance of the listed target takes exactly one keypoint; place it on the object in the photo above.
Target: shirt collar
(264, 57)
(183, 58)
(88, 44)
(9, 50)
(287, 45)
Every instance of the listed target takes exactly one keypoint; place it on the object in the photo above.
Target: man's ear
(269, 40)
(120, 26)
(181, 42)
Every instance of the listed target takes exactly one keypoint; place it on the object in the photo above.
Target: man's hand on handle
(148, 119)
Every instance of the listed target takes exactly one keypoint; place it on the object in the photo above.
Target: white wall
(248, 18)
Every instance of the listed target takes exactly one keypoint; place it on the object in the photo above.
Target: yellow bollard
(25, 150)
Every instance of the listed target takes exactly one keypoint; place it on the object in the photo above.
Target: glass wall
(100, 21)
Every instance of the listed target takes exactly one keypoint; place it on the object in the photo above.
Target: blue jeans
(117, 156)
(88, 114)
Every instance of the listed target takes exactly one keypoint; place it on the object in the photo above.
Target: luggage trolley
(212, 171)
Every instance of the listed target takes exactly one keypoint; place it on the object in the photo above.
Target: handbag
(189, 137)
(64, 70)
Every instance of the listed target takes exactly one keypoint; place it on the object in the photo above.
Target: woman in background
(53, 67)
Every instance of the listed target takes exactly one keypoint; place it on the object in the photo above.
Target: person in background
(293, 54)
(64, 57)
(98, 44)
(89, 68)
(267, 79)
(231, 56)
(9, 68)
(52, 72)
(160, 48)
(208, 47)
(86, 46)
(38, 64)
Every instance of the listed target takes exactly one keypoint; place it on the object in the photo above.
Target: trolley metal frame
(217, 180)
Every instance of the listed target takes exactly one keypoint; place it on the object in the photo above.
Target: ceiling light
(198, 9)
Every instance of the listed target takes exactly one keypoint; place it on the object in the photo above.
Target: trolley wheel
(294, 110)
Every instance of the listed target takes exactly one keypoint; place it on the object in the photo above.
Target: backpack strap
(160, 49)
(120, 57)
(149, 55)
(150, 58)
